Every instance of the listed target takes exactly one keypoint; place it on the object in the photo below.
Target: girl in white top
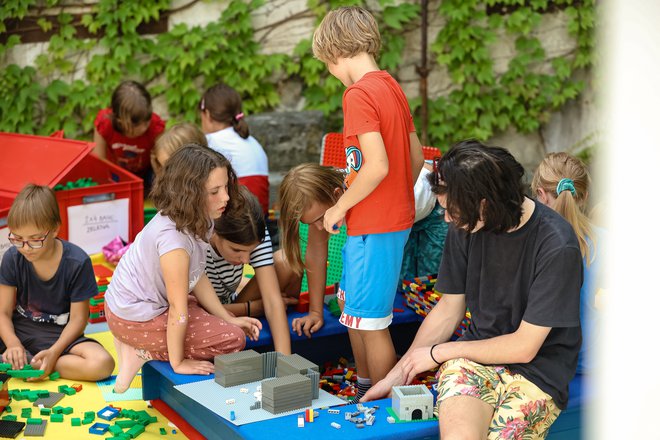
(160, 303)
(242, 238)
(227, 132)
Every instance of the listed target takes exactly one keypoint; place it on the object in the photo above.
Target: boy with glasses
(45, 287)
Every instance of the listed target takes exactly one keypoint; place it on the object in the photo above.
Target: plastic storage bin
(49, 161)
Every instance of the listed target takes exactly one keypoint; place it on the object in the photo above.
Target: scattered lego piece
(77, 387)
(333, 411)
(34, 421)
(75, 421)
(359, 425)
(99, 428)
(230, 401)
(117, 430)
(244, 390)
(44, 411)
(309, 415)
(232, 415)
(50, 400)
(135, 430)
(35, 430)
(335, 425)
(301, 421)
(163, 431)
(54, 375)
(57, 410)
(58, 418)
(10, 428)
(390, 419)
(67, 410)
(108, 413)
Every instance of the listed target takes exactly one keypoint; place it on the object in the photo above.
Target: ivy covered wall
(493, 68)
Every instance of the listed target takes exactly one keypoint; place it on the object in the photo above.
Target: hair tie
(239, 116)
(201, 105)
(565, 184)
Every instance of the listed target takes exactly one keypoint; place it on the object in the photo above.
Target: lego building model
(288, 382)
(413, 402)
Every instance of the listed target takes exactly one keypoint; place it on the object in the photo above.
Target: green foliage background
(181, 63)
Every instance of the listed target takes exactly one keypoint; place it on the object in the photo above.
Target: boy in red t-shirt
(384, 158)
(126, 132)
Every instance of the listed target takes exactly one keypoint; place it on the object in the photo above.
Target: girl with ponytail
(562, 182)
(227, 132)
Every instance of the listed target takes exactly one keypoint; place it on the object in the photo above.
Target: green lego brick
(4, 366)
(11, 418)
(163, 431)
(90, 415)
(125, 423)
(67, 410)
(115, 429)
(24, 374)
(75, 421)
(57, 410)
(136, 430)
(54, 375)
(44, 411)
(87, 421)
(8, 409)
(56, 418)
(34, 421)
(43, 393)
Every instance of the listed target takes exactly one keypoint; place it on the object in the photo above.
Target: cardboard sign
(94, 225)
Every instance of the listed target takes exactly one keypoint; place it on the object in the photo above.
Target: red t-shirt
(132, 154)
(376, 103)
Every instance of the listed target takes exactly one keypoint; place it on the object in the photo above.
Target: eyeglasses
(32, 244)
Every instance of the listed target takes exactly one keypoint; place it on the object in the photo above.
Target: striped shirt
(225, 277)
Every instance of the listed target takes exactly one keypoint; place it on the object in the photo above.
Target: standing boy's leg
(368, 287)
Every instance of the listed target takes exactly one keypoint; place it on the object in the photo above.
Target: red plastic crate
(52, 160)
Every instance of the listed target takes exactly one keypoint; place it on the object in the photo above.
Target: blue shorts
(369, 279)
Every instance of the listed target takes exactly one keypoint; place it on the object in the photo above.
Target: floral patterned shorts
(522, 410)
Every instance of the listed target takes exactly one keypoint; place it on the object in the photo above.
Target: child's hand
(250, 326)
(44, 360)
(190, 366)
(333, 219)
(308, 324)
(16, 356)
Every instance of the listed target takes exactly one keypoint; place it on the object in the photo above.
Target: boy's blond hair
(34, 205)
(344, 33)
(176, 137)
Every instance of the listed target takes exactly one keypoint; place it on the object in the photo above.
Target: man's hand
(311, 323)
(383, 388)
(16, 356)
(417, 361)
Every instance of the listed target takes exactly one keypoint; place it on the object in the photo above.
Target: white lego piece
(244, 390)
(371, 420)
(347, 416)
(301, 422)
(335, 425)
(390, 419)
(333, 411)
(259, 387)
(230, 401)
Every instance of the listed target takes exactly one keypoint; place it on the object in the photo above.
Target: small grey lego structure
(238, 368)
(35, 430)
(413, 402)
(50, 401)
(286, 393)
(292, 364)
(270, 363)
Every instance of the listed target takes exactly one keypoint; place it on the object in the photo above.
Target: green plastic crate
(335, 263)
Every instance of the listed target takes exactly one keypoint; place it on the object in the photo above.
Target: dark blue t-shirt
(40, 300)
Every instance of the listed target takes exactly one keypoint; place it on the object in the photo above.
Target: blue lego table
(331, 342)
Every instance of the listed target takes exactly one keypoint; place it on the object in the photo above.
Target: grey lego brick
(294, 364)
(238, 368)
(314, 376)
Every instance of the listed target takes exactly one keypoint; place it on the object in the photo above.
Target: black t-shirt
(43, 301)
(532, 274)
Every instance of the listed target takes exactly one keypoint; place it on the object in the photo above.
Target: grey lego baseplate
(50, 401)
(214, 396)
(35, 430)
